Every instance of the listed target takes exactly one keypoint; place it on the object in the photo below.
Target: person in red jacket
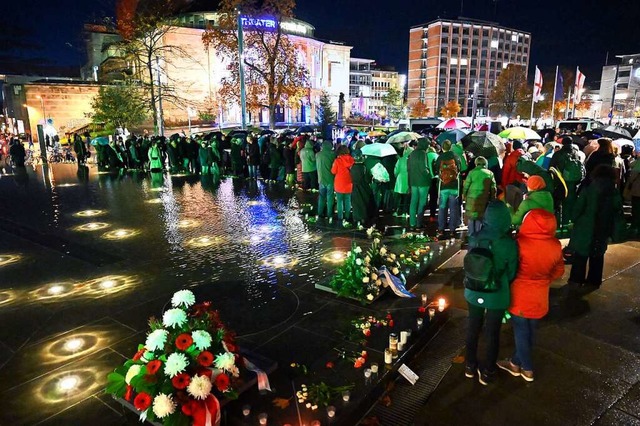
(540, 262)
(342, 183)
(513, 181)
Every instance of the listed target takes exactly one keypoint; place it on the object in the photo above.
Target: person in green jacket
(309, 169)
(155, 157)
(448, 167)
(479, 188)
(276, 162)
(401, 188)
(537, 197)
(324, 162)
(419, 182)
(489, 308)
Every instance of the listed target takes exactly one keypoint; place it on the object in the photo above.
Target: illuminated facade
(381, 82)
(196, 75)
(360, 77)
(625, 76)
(446, 58)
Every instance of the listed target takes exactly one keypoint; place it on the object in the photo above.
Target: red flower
(222, 382)
(390, 323)
(181, 381)
(142, 401)
(205, 358)
(128, 392)
(183, 341)
(230, 346)
(202, 371)
(154, 366)
(367, 332)
(358, 363)
(364, 354)
(388, 316)
(329, 364)
(422, 309)
(139, 354)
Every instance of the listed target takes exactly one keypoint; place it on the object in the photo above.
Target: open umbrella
(636, 141)
(482, 127)
(523, 133)
(305, 129)
(101, 140)
(376, 133)
(604, 133)
(267, 132)
(453, 123)
(454, 135)
(402, 137)
(621, 142)
(378, 150)
(619, 130)
(486, 144)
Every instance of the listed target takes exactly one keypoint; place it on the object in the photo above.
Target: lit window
(514, 37)
(463, 61)
(494, 44)
(454, 61)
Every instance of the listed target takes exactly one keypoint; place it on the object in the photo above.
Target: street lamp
(475, 103)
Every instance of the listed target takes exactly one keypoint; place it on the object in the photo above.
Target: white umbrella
(453, 123)
(621, 142)
(403, 137)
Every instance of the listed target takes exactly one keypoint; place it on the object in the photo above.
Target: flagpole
(566, 114)
(533, 99)
(575, 93)
(553, 100)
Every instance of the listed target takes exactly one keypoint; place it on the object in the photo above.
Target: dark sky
(564, 32)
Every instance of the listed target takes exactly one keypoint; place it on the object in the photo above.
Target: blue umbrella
(454, 136)
(102, 140)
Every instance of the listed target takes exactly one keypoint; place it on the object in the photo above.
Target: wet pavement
(91, 256)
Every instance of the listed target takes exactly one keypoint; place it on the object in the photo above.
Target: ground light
(64, 386)
(154, 201)
(257, 239)
(108, 285)
(8, 259)
(120, 234)
(66, 185)
(188, 223)
(73, 346)
(92, 226)
(282, 261)
(204, 241)
(68, 384)
(89, 213)
(335, 256)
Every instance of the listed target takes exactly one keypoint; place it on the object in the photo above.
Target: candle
(367, 373)
(419, 323)
(432, 313)
(408, 331)
(393, 344)
(388, 356)
(424, 299)
(346, 396)
(331, 411)
(246, 410)
(262, 418)
(374, 367)
(441, 304)
(403, 337)
(400, 346)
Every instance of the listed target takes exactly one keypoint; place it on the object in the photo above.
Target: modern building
(447, 57)
(382, 80)
(360, 78)
(625, 78)
(193, 74)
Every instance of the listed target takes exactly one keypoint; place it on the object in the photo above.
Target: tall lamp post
(243, 95)
(475, 104)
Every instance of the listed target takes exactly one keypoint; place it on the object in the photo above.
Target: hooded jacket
(496, 234)
(324, 162)
(308, 158)
(342, 183)
(510, 173)
(540, 262)
(479, 188)
(417, 166)
(533, 200)
(402, 173)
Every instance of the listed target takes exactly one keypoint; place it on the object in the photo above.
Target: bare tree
(510, 91)
(273, 74)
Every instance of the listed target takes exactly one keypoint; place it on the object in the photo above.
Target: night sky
(565, 32)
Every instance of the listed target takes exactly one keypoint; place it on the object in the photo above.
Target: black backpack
(479, 270)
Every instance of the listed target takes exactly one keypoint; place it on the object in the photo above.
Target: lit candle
(400, 346)
(403, 337)
(393, 343)
(374, 367)
(441, 304)
(367, 373)
(346, 396)
(262, 418)
(424, 299)
(388, 356)
(432, 313)
(419, 323)
(246, 410)
(331, 411)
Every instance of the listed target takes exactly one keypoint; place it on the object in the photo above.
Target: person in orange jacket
(540, 262)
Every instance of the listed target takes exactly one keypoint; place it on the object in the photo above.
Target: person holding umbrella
(478, 190)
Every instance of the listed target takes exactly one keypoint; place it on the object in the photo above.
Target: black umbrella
(267, 132)
(579, 140)
(305, 129)
(483, 143)
(612, 134)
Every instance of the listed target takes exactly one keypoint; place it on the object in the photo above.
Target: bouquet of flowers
(189, 359)
(358, 277)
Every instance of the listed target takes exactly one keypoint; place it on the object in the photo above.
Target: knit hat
(535, 183)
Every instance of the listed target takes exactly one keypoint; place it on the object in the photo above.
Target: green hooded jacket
(496, 234)
(308, 158)
(402, 173)
(533, 200)
(324, 161)
(417, 165)
(479, 188)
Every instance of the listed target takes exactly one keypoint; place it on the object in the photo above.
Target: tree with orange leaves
(451, 109)
(419, 109)
(273, 73)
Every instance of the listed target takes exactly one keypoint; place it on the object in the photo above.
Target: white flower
(370, 231)
(199, 387)
(365, 280)
(383, 251)
(156, 340)
(376, 240)
(225, 361)
(176, 364)
(357, 250)
(184, 298)
(349, 253)
(174, 318)
(201, 339)
(234, 371)
(163, 405)
(367, 259)
(374, 276)
(133, 371)
(369, 296)
(393, 256)
(358, 261)
(395, 271)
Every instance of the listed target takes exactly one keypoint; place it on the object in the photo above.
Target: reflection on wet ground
(106, 252)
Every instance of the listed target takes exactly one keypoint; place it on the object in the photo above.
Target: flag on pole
(537, 86)
(559, 90)
(577, 90)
